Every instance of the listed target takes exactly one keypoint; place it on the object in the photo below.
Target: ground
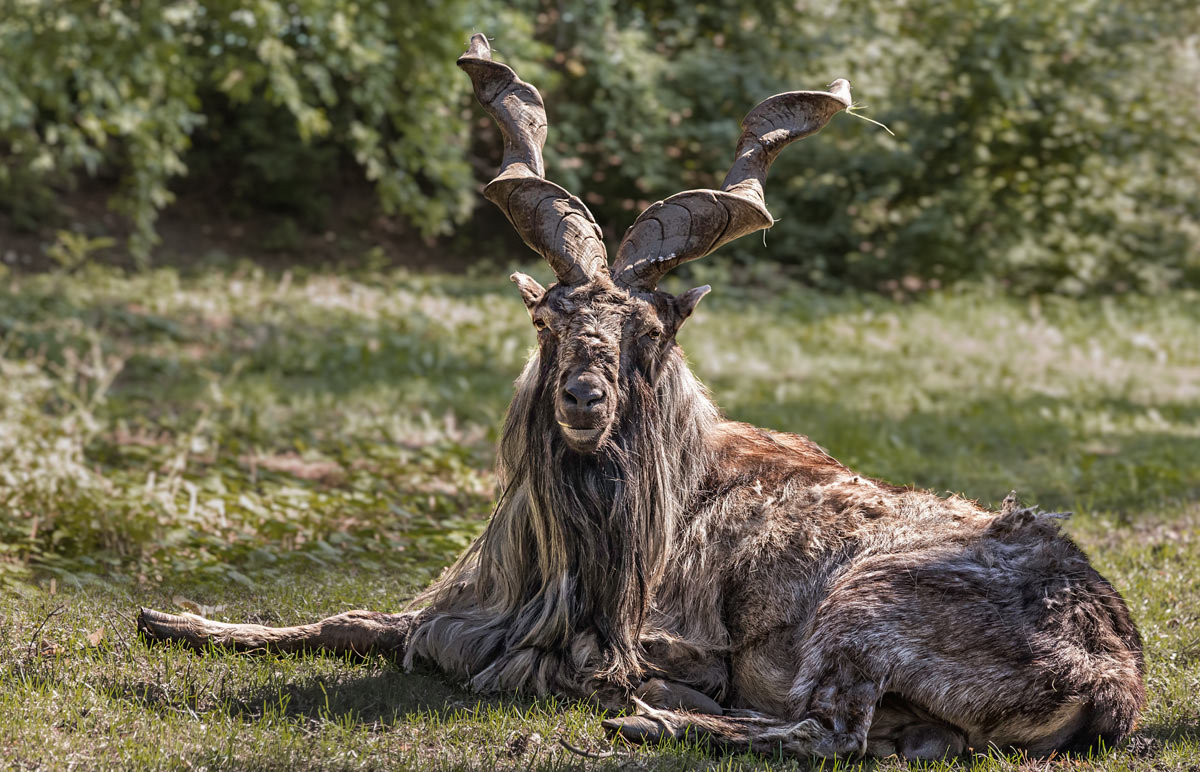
(276, 446)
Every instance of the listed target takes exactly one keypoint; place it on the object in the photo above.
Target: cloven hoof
(157, 627)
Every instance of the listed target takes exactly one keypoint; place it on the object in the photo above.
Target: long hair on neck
(555, 594)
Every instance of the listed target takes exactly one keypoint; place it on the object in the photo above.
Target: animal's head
(600, 326)
(596, 338)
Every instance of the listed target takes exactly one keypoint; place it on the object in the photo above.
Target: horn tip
(479, 47)
(840, 88)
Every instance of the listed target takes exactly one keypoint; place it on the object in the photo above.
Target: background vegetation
(1050, 145)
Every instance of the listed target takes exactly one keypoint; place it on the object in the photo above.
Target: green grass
(279, 447)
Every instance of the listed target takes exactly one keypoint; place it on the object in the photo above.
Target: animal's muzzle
(583, 402)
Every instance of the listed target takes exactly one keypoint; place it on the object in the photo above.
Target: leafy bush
(1049, 145)
(268, 90)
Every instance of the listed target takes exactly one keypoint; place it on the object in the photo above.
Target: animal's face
(605, 329)
(593, 340)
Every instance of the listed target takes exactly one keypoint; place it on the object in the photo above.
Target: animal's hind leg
(836, 726)
(353, 632)
(903, 729)
(843, 702)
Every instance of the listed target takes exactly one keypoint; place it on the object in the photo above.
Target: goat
(734, 584)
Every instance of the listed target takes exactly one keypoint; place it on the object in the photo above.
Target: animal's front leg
(739, 732)
(353, 632)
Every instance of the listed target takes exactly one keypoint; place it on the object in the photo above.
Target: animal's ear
(531, 291)
(687, 302)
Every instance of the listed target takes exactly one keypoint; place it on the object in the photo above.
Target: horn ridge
(716, 217)
(568, 237)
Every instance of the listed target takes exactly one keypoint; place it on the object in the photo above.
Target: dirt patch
(323, 471)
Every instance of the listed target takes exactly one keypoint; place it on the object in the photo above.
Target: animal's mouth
(581, 436)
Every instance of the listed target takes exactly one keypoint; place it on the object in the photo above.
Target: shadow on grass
(1149, 743)
(382, 696)
(1180, 732)
(368, 693)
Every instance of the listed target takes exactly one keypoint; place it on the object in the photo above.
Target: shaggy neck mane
(556, 592)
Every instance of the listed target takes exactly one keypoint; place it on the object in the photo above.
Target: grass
(277, 447)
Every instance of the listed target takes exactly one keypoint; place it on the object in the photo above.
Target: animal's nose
(583, 392)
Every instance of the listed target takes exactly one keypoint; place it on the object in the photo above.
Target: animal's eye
(654, 333)
(539, 324)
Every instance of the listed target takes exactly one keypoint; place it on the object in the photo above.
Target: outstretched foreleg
(352, 632)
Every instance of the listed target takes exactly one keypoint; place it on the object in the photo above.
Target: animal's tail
(353, 632)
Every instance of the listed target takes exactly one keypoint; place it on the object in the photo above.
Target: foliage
(71, 250)
(268, 92)
(1047, 145)
(1042, 147)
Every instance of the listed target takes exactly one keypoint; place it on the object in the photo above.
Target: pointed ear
(687, 302)
(531, 291)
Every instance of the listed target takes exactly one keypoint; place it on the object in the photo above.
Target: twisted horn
(555, 224)
(692, 224)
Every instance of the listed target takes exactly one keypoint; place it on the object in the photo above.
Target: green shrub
(269, 91)
(1049, 146)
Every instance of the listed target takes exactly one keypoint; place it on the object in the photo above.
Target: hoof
(673, 696)
(156, 626)
(636, 729)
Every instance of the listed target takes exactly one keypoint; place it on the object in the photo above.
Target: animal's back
(992, 622)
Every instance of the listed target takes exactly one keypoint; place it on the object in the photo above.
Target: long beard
(559, 586)
(600, 525)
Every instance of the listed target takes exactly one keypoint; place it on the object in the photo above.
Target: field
(278, 446)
